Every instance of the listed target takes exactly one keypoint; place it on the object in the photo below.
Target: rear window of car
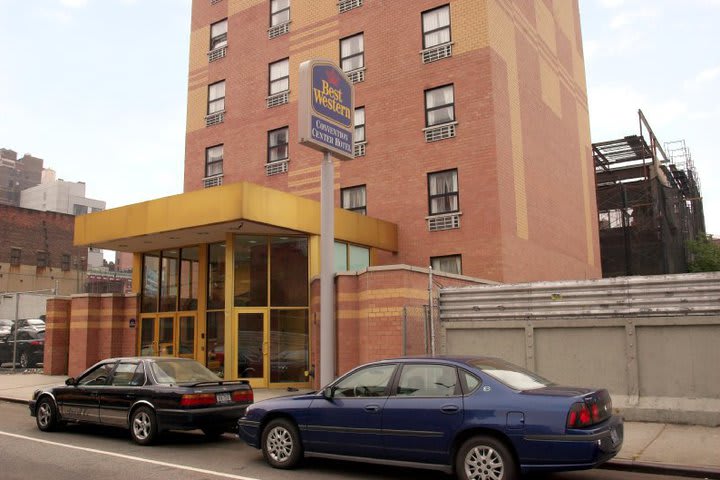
(511, 375)
(176, 371)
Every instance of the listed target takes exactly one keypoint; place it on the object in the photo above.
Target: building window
(218, 35)
(279, 12)
(354, 199)
(278, 145)
(439, 105)
(214, 161)
(216, 97)
(80, 210)
(15, 254)
(42, 259)
(65, 262)
(352, 53)
(279, 77)
(436, 26)
(447, 264)
(359, 124)
(443, 192)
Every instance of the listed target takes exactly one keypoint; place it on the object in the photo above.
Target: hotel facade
(472, 155)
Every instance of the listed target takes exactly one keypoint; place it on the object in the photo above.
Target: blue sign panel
(325, 109)
(331, 136)
(331, 95)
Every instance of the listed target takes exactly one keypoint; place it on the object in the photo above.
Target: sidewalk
(686, 450)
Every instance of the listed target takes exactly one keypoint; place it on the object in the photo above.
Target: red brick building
(472, 154)
(480, 105)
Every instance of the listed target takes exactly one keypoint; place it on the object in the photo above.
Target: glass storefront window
(250, 267)
(288, 345)
(168, 280)
(189, 276)
(359, 258)
(289, 271)
(151, 277)
(216, 276)
(215, 335)
(341, 257)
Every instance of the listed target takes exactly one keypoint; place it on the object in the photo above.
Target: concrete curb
(662, 469)
(13, 400)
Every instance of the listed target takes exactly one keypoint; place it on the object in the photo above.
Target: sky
(98, 88)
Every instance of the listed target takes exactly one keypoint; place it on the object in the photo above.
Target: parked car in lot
(146, 395)
(480, 417)
(33, 323)
(30, 347)
(5, 327)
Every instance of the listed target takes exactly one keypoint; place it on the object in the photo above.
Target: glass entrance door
(148, 345)
(168, 335)
(252, 346)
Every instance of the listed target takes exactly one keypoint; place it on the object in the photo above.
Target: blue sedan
(479, 417)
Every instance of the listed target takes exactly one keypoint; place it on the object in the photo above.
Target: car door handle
(372, 408)
(450, 409)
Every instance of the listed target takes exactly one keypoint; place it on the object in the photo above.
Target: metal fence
(418, 332)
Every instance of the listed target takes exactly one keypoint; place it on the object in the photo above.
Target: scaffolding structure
(649, 204)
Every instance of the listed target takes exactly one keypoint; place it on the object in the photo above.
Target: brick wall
(520, 103)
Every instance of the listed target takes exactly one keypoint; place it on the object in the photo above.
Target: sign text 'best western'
(326, 113)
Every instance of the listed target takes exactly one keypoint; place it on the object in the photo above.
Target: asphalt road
(83, 451)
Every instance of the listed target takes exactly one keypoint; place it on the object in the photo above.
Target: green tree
(704, 254)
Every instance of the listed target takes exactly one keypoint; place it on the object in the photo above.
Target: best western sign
(325, 105)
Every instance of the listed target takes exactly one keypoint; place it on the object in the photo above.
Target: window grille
(433, 54)
(443, 222)
(347, 5)
(275, 168)
(277, 99)
(440, 132)
(214, 181)
(356, 76)
(278, 30)
(216, 54)
(359, 150)
(215, 118)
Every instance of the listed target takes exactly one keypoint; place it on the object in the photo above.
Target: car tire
(213, 433)
(143, 426)
(485, 458)
(24, 360)
(281, 445)
(46, 415)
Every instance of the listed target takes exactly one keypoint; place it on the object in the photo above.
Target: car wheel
(24, 360)
(143, 426)
(46, 415)
(213, 433)
(485, 458)
(281, 445)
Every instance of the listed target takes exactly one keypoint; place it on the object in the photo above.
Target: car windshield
(511, 375)
(6, 323)
(174, 371)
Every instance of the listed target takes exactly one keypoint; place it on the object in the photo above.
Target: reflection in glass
(151, 274)
(250, 345)
(250, 267)
(147, 333)
(215, 346)
(168, 280)
(165, 336)
(187, 337)
(216, 276)
(359, 258)
(341, 263)
(288, 345)
(189, 268)
(289, 272)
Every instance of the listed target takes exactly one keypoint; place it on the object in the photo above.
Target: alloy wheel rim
(141, 425)
(43, 414)
(484, 463)
(23, 360)
(279, 444)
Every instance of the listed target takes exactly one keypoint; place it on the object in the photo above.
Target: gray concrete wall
(654, 342)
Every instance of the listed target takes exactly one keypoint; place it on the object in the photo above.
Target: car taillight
(36, 343)
(594, 409)
(197, 400)
(243, 396)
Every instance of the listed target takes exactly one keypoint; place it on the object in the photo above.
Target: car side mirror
(71, 381)
(328, 393)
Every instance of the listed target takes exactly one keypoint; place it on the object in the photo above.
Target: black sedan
(30, 347)
(146, 395)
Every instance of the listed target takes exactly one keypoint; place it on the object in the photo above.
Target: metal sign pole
(327, 255)
(15, 329)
